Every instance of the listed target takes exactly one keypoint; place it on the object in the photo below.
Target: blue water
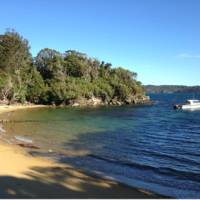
(152, 147)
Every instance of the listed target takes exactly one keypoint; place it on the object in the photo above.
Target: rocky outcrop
(94, 101)
(141, 99)
(87, 102)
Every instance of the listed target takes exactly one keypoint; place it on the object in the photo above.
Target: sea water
(151, 147)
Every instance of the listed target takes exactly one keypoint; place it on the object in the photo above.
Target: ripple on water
(153, 147)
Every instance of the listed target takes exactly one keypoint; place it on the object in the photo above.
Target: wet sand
(10, 108)
(25, 176)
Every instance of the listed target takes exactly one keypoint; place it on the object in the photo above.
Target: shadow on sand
(64, 182)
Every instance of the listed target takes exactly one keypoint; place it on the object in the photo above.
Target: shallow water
(153, 147)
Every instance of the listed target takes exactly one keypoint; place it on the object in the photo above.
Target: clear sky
(159, 39)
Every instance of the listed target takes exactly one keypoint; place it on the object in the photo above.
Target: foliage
(15, 61)
(36, 88)
(55, 78)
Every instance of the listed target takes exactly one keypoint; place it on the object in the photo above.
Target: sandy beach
(10, 108)
(25, 176)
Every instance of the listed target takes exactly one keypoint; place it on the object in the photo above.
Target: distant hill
(171, 89)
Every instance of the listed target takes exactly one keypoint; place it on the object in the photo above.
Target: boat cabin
(192, 102)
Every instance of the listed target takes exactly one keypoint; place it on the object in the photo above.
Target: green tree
(15, 59)
(50, 64)
(36, 88)
(6, 90)
(77, 65)
(56, 78)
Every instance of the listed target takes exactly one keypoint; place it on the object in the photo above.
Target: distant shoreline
(170, 89)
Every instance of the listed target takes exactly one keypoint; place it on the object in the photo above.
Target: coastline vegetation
(168, 89)
(55, 78)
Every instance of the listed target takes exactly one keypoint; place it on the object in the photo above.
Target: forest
(55, 78)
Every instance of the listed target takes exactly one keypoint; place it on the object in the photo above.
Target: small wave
(160, 170)
(2, 130)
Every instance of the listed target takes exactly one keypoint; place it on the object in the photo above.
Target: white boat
(190, 104)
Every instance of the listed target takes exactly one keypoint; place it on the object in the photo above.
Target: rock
(93, 101)
(96, 101)
(118, 103)
(129, 100)
(113, 101)
(75, 105)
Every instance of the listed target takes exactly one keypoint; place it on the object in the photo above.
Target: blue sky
(159, 39)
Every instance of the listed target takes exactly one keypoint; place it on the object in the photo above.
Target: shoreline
(10, 108)
(22, 175)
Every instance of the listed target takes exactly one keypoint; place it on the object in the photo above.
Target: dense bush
(55, 78)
